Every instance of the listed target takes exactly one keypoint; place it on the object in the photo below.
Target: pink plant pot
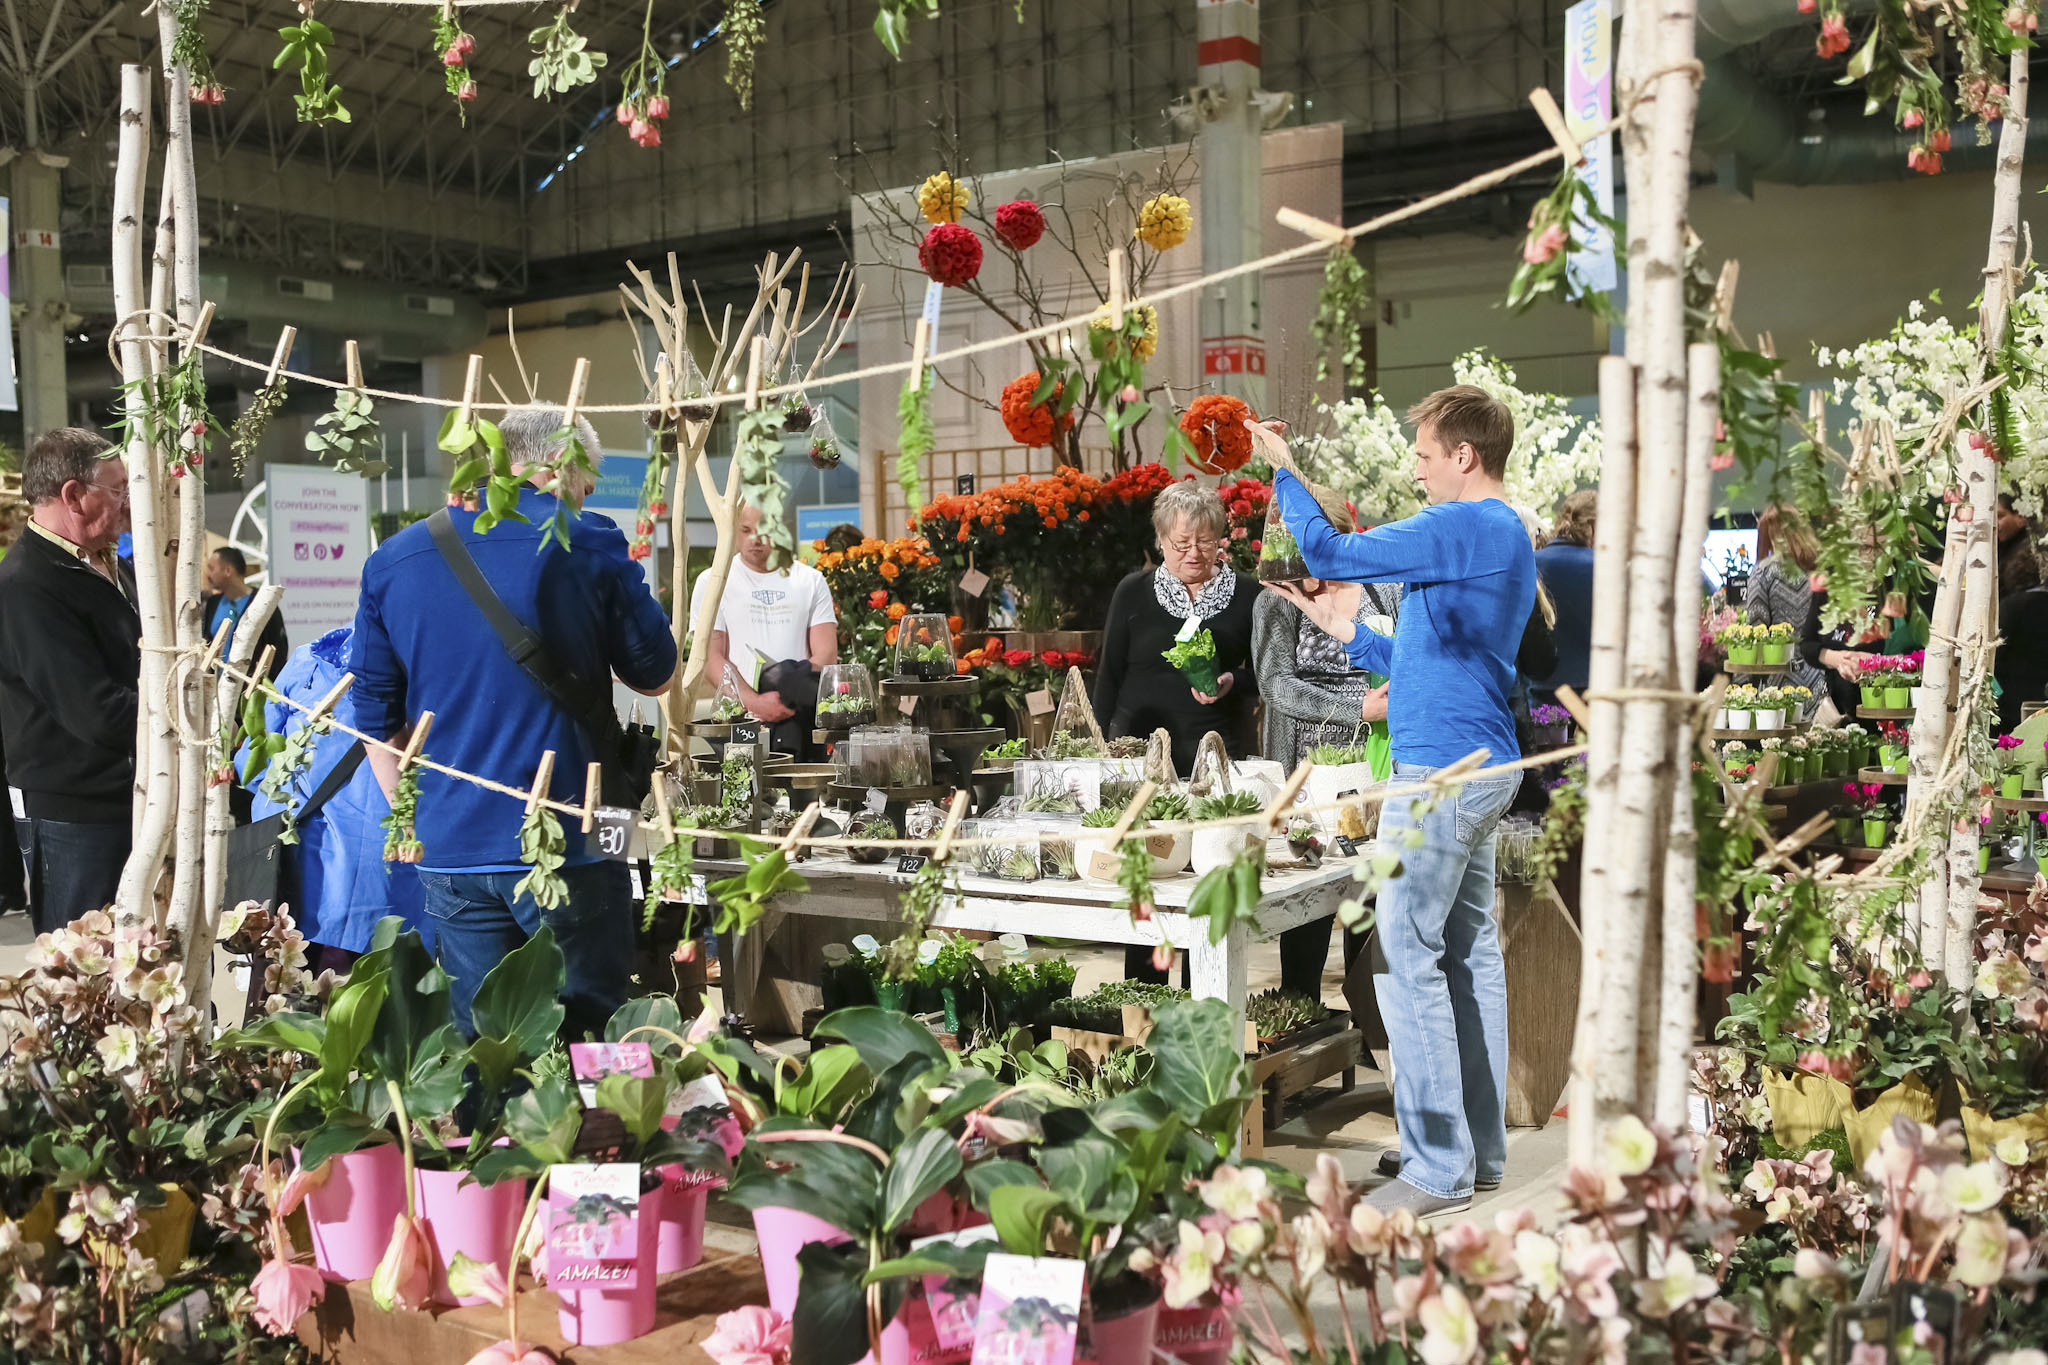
(601, 1317)
(351, 1215)
(1125, 1340)
(680, 1241)
(783, 1233)
(475, 1220)
(1196, 1336)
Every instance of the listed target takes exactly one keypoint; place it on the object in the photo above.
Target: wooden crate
(347, 1328)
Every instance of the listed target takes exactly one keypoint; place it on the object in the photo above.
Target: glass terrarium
(846, 697)
(924, 648)
(1279, 557)
(726, 706)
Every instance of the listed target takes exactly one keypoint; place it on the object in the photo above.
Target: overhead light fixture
(483, 281)
(352, 264)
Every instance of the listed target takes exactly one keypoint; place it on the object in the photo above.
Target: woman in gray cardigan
(1313, 696)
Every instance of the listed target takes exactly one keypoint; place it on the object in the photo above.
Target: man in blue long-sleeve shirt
(1470, 579)
(421, 644)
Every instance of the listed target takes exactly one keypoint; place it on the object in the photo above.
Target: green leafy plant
(1549, 247)
(1228, 895)
(543, 849)
(480, 459)
(1104, 817)
(306, 44)
(1009, 748)
(1223, 805)
(736, 790)
(1053, 802)
(915, 436)
(1134, 875)
(743, 899)
(726, 710)
(289, 764)
(562, 60)
(571, 467)
(892, 20)
(188, 49)
(1064, 744)
(252, 422)
(349, 433)
(1335, 755)
(1277, 1013)
(1195, 657)
(173, 414)
(1167, 808)
(401, 844)
(1343, 312)
(744, 31)
(670, 870)
(757, 446)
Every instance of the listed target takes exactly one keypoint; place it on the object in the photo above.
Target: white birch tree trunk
(1979, 573)
(1930, 735)
(227, 701)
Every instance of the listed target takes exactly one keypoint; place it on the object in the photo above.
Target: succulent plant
(1277, 1013)
(1167, 807)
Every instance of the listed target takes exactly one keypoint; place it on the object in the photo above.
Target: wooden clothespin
(542, 776)
(1724, 295)
(1553, 119)
(216, 645)
(1570, 700)
(579, 379)
(756, 358)
(261, 673)
(352, 360)
(1139, 800)
(920, 341)
(802, 827)
(334, 694)
(1277, 812)
(1116, 287)
(416, 742)
(661, 385)
(1312, 227)
(285, 338)
(1450, 776)
(471, 383)
(661, 807)
(945, 844)
(204, 321)
(593, 783)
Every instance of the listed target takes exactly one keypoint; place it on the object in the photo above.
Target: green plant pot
(1742, 654)
(1734, 766)
(1845, 828)
(1874, 832)
(1776, 651)
(889, 995)
(1983, 859)
(1900, 762)
(956, 1001)
(2011, 784)
(1897, 698)
(1873, 697)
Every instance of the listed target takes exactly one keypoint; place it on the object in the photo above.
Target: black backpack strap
(584, 704)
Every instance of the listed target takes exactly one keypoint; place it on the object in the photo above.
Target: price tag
(965, 483)
(1188, 628)
(612, 832)
(696, 893)
(639, 888)
(876, 801)
(1039, 702)
(907, 704)
(910, 862)
(974, 582)
(746, 732)
(1347, 846)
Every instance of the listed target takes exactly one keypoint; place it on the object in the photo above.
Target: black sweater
(1137, 691)
(70, 662)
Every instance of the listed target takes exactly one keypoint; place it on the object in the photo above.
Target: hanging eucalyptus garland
(401, 844)
(543, 849)
(252, 423)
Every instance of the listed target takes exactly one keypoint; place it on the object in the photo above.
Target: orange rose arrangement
(875, 584)
(1033, 424)
(1214, 426)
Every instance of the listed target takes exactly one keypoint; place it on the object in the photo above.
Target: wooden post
(1116, 287)
(220, 821)
(920, 340)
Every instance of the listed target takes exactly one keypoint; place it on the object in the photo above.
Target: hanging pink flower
(284, 1291)
(1834, 37)
(1542, 247)
(657, 108)
(511, 1353)
(749, 1336)
(404, 1275)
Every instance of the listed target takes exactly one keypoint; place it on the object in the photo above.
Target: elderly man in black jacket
(70, 662)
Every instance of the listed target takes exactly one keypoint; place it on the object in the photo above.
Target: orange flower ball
(1214, 425)
(1032, 425)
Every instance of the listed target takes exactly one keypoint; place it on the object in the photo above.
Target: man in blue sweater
(1470, 580)
(422, 644)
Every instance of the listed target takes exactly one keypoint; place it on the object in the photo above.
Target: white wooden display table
(1083, 911)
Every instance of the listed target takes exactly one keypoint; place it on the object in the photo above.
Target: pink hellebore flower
(1543, 246)
(749, 1336)
(1913, 119)
(511, 1353)
(1806, 6)
(301, 1182)
(284, 1291)
(404, 1277)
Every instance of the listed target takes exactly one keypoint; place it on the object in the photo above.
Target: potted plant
(1738, 704)
(1895, 746)
(924, 648)
(1870, 681)
(1279, 557)
(1869, 800)
(1738, 760)
(1799, 761)
(872, 827)
(2012, 773)
(1739, 640)
(1776, 646)
(1910, 674)
(1004, 755)
(1770, 709)
(1195, 657)
(1898, 684)
(842, 710)
(1847, 813)
(1219, 845)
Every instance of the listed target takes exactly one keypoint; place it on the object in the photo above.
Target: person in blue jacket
(1470, 578)
(345, 886)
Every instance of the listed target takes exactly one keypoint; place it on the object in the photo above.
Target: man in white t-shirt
(765, 618)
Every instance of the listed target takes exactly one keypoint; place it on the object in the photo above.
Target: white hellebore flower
(1674, 1280)
(1235, 1192)
(1190, 1271)
(1628, 1146)
(1975, 1187)
(120, 1048)
(1980, 1250)
(1450, 1330)
(1537, 1258)
(2015, 1152)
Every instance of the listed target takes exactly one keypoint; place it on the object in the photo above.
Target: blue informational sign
(618, 483)
(1588, 104)
(813, 522)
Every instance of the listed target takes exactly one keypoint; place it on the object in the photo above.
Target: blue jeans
(1444, 996)
(71, 867)
(477, 920)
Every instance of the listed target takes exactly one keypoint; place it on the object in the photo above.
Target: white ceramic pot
(1219, 846)
(1721, 719)
(1169, 854)
(1770, 720)
(1916, 694)
(1738, 720)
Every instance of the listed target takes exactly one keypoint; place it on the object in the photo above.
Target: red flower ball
(950, 253)
(1020, 223)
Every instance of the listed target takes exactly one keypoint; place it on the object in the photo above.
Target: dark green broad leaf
(884, 1037)
(416, 1027)
(830, 1324)
(1199, 1065)
(639, 1101)
(286, 1029)
(921, 1168)
(828, 1083)
(647, 1012)
(343, 1133)
(984, 1178)
(957, 1261)
(1019, 1213)
(518, 1008)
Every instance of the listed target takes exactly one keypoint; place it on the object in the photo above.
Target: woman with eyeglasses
(1136, 690)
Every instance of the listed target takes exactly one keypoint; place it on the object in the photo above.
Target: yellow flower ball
(1147, 343)
(1165, 221)
(941, 198)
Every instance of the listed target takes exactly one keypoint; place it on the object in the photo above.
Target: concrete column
(1232, 214)
(38, 267)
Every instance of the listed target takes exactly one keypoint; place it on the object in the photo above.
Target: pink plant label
(953, 1303)
(593, 1226)
(592, 1062)
(699, 1109)
(1030, 1307)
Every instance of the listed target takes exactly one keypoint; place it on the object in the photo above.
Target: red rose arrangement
(1214, 426)
(1020, 223)
(1032, 424)
(950, 254)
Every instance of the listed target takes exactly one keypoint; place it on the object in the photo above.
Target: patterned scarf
(1210, 601)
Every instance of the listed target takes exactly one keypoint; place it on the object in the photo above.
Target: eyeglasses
(118, 493)
(1188, 548)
